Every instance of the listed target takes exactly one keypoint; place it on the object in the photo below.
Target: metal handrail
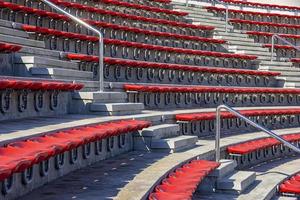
(283, 40)
(226, 14)
(236, 113)
(100, 35)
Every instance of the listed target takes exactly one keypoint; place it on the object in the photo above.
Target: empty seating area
(91, 141)
(260, 150)
(263, 25)
(169, 96)
(203, 124)
(167, 66)
(182, 183)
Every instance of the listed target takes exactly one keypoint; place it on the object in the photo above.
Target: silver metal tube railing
(86, 25)
(283, 40)
(222, 3)
(239, 115)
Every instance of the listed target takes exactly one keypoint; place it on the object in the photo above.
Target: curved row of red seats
(291, 185)
(18, 156)
(271, 34)
(9, 48)
(88, 58)
(258, 144)
(278, 46)
(242, 21)
(207, 89)
(57, 33)
(183, 182)
(251, 12)
(262, 4)
(129, 16)
(144, 64)
(227, 115)
(17, 84)
(144, 7)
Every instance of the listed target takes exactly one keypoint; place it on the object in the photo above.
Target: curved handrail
(236, 113)
(283, 40)
(101, 49)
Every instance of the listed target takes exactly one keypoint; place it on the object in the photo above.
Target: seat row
(127, 17)
(53, 35)
(9, 48)
(18, 156)
(265, 26)
(291, 186)
(228, 115)
(257, 151)
(125, 70)
(266, 37)
(262, 5)
(144, 7)
(163, 54)
(171, 96)
(259, 144)
(183, 182)
(203, 124)
(258, 16)
(19, 84)
(39, 17)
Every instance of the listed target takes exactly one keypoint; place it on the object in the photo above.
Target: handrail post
(272, 48)
(99, 33)
(250, 122)
(226, 18)
(218, 133)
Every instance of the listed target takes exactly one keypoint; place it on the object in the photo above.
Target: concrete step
(212, 22)
(276, 63)
(160, 131)
(204, 17)
(116, 109)
(33, 51)
(57, 73)
(36, 61)
(289, 71)
(191, 8)
(217, 26)
(101, 97)
(13, 32)
(253, 52)
(237, 34)
(243, 43)
(236, 182)
(234, 38)
(226, 167)
(174, 144)
(21, 41)
(284, 198)
(247, 48)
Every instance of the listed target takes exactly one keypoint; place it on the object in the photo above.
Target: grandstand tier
(143, 124)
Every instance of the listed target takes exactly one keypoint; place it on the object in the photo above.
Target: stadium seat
(19, 84)
(9, 48)
(291, 185)
(18, 156)
(182, 183)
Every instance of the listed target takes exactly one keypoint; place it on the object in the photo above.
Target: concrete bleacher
(167, 66)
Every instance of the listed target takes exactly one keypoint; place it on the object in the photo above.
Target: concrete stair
(104, 104)
(225, 179)
(163, 137)
(236, 182)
